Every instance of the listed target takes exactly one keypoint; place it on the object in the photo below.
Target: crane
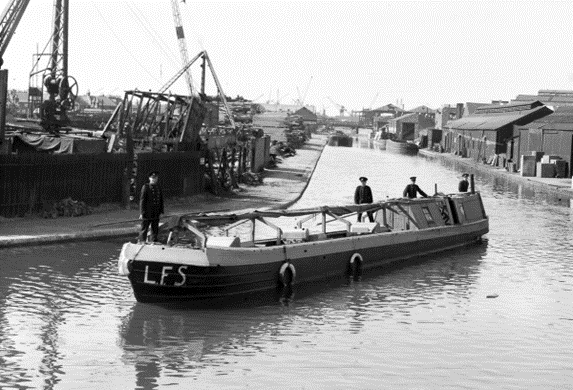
(301, 98)
(305, 92)
(10, 18)
(374, 100)
(340, 106)
(182, 43)
(62, 88)
(8, 22)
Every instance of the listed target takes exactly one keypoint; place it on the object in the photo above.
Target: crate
(561, 168)
(528, 167)
(537, 155)
(545, 170)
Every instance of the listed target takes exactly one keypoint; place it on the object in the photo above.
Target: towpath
(560, 186)
(282, 186)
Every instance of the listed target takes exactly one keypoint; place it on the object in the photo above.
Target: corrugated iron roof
(517, 106)
(405, 116)
(562, 114)
(495, 121)
(549, 126)
(422, 109)
(388, 107)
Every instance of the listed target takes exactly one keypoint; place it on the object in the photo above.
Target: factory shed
(552, 135)
(487, 132)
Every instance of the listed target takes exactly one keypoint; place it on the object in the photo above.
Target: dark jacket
(463, 186)
(411, 191)
(151, 201)
(363, 194)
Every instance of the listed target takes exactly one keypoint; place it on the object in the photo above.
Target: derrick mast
(61, 88)
(182, 43)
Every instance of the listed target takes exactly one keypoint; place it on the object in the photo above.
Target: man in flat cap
(150, 207)
(411, 191)
(464, 183)
(362, 195)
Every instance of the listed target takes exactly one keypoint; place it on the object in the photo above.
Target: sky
(329, 54)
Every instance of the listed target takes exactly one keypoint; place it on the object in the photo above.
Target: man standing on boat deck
(363, 194)
(412, 190)
(464, 183)
(150, 207)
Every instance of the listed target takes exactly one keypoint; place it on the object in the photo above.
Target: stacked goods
(273, 123)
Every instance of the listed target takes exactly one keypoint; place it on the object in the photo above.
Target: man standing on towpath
(150, 207)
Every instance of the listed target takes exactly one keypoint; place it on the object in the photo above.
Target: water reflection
(168, 342)
(39, 296)
(68, 320)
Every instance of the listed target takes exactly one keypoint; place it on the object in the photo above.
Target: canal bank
(282, 186)
(556, 186)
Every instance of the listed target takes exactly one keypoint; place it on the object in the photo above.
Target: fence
(180, 173)
(30, 180)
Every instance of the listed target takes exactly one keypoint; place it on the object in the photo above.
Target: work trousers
(370, 216)
(145, 224)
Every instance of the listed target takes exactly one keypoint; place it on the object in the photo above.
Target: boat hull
(380, 143)
(340, 140)
(401, 147)
(231, 272)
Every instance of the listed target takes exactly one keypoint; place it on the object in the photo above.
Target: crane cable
(122, 44)
(157, 39)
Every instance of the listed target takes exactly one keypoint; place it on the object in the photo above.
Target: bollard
(472, 184)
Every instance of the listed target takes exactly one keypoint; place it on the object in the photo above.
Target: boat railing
(328, 214)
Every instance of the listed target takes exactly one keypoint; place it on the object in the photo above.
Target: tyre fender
(284, 279)
(355, 264)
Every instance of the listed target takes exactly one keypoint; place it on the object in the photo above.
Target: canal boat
(340, 139)
(195, 265)
(402, 147)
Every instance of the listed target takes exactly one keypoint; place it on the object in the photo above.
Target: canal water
(492, 316)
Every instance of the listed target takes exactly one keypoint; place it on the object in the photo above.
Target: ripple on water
(68, 317)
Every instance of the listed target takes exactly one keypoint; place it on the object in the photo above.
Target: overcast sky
(359, 54)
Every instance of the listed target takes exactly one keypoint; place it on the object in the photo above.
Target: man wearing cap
(363, 194)
(150, 207)
(464, 183)
(412, 190)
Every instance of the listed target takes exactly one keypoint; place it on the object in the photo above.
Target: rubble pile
(66, 208)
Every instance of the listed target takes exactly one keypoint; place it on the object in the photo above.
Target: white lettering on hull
(164, 274)
(183, 276)
(145, 277)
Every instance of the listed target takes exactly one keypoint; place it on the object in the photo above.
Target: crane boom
(10, 18)
(182, 43)
(306, 91)
(185, 70)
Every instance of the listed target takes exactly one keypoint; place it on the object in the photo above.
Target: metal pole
(3, 101)
(64, 26)
(203, 71)
(220, 89)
